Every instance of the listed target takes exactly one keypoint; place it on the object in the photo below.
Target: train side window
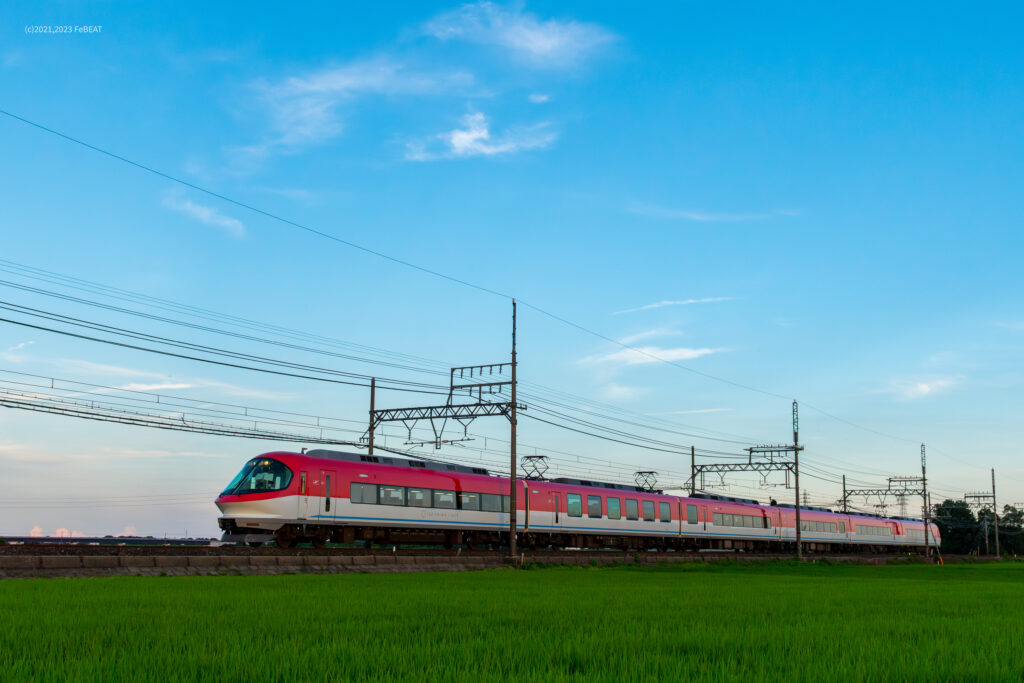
(767, 522)
(842, 527)
(665, 512)
(418, 498)
(594, 507)
(614, 509)
(648, 510)
(691, 514)
(574, 504)
(716, 519)
(363, 493)
(632, 511)
(506, 503)
(469, 501)
(327, 491)
(391, 495)
(490, 502)
(444, 499)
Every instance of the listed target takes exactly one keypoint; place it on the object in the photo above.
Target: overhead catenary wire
(429, 271)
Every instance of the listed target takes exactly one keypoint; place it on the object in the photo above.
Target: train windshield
(259, 476)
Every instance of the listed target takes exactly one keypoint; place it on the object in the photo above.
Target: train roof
(395, 462)
(601, 485)
(728, 499)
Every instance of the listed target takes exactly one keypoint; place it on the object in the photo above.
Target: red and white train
(322, 496)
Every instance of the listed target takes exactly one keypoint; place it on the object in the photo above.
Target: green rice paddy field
(744, 622)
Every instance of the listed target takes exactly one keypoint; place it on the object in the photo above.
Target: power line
(423, 269)
(382, 255)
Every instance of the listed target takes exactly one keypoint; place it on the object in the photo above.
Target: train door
(303, 495)
(327, 495)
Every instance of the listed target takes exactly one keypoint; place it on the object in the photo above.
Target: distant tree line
(964, 533)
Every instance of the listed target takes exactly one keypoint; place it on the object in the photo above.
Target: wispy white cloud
(910, 389)
(137, 453)
(650, 334)
(642, 355)
(618, 392)
(678, 302)
(204, 214)
(1011, 325)
(159, 386)
(697, 411)
(474, 138)
(243, 392)
(539, 98)
(696, 216)
(90, 368)
(11, 354)
(540, 43)
(304, 109)
(294, 193)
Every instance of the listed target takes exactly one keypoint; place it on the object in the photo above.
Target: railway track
(70, 549)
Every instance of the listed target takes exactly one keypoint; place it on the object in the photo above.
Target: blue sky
(822, 203)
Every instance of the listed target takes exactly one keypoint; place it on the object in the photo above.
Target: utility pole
(845, 508)
(512, 448)
(924, 499)
(693, 472)
(796, 477)
(373, 395)
(995, 515)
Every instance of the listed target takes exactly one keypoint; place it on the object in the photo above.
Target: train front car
(261, 499)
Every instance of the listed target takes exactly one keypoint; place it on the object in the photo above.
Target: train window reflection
(574, 504)
(363, 493)
(648, 510)
(260, 475)
(391, 495)
(418, 498)
(444, 499)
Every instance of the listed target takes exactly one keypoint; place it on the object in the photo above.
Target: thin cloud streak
(204, 214)
(698, 411)
(650, 334)
(696, 216)
(912, 389)
(643, 355)
(682, 302)
(474, 138)
(546, 44)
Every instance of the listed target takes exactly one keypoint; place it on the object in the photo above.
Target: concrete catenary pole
(693, 471)
(796, 477)
(512, 448)
(995, 515)
(373, 392)
(924, 499)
